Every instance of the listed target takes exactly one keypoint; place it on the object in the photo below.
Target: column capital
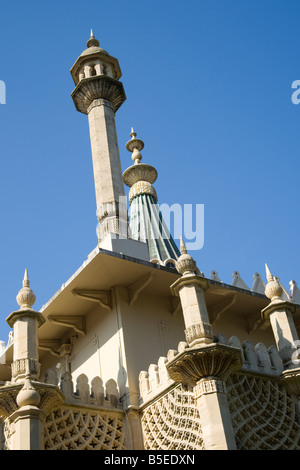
(25, 313)
(187, 280)
(278, 305)
(290, 378)
(96, 87)
(212, 360)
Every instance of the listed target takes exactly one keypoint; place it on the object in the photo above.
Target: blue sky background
(208, 85)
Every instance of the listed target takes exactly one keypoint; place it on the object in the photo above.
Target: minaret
(99, 94)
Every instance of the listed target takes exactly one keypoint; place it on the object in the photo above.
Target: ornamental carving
(207, 386)
(99, 86)
(213, 360)
(70, 428)
(291, 381)
(141, 187)
(172, 422)
(198, 331)
(21, 366)
(263, 414)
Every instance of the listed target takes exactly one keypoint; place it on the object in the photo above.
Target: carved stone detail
(263, 415)
(206, 386)
(197, 331)
(291, 381)
(172, 422)
(213, 360)
(82, 429)
(21, 366)
(94, 88)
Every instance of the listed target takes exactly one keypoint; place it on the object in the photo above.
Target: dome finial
(26, 297)
(273, 289)
(183, 249)
(92, 41)
(185, 265)
(135, 145)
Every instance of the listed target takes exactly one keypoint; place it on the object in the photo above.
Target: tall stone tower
(99, 94)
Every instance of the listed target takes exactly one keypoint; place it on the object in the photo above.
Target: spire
(92, 41)
(273, 290)
(135, 146)
(146, 221)
(26, 297)
(185, 265)
(183, 249)
(269, 276)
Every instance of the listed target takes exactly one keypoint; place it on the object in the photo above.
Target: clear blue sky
(208, 85)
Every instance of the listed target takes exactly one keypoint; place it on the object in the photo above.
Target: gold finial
(26, 297)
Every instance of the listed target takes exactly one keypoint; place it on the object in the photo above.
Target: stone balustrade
(85, 393)
(257, 359)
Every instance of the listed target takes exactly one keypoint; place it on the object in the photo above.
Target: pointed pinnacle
(92, 41)
(183, 249)
(268, 273)
(26, 281)
(132, 133)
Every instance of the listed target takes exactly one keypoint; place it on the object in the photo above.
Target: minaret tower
(99, 94)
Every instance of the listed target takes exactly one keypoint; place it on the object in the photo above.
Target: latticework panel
(173, 422)
(80, 429)
(263, 415)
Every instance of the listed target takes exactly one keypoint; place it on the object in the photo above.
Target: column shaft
(214, 413)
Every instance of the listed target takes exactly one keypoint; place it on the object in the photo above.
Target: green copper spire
(146, 221)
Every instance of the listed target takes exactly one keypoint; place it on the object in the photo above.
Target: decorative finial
(26, 297)
(132, 134)
(183, 249)
(269, 276)
(135, 145)
(185, 265)
(92, 41)
(273, 289)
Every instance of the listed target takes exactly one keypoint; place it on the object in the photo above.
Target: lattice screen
(80, 429)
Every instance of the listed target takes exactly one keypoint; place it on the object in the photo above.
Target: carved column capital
(199, 331)
(290, 378)
(207, 386)
(213, 360)
(95, 88)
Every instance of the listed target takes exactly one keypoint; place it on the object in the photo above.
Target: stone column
(109, 185)
(205, 364)
(280, 314)
(99, 95)
(190, 289)
(28, 419)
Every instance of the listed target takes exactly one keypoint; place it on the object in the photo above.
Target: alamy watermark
(2, 92)
(151, 221)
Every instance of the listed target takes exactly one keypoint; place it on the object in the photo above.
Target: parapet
(257, 359)
(85, 394)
